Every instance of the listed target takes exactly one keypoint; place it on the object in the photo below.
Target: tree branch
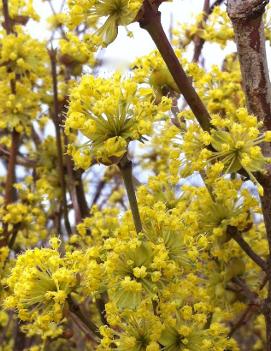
(150, 20)
(10, 178)
(214, 5)
(98, 191)
(246, 17)
(52, 54)
(251, 309)
(75, 309)
(198, 41)
(7, 20)
(247, 20)
(233, 232)
(243, 319)
(10, 193)
(125, 167)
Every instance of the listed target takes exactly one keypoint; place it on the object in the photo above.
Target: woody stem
(125, 167)
(151, 22)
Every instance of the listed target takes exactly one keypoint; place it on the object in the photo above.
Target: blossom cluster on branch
(134, 206)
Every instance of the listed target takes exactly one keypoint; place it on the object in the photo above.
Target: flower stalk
(52, 54)
(75, 309)
(125, 167)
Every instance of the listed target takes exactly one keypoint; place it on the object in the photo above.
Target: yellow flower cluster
(57, 20)
(181, 280)
(74, 53)
(22, 70)
(18, 110)
(116, 13)
(109, 113)
(26, 216)
(220, 87)
(20, 11)
(41, 282)
(217, 29)
(232, 145)
(147, 306)
(227, 205)
(22, 55)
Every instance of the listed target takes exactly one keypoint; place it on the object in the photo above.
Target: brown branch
(234, 234)
(10, 193)
(244, 319)
(125, 167)
(80, 192)
(35, 137)
(266, 210)
(98, 191)
(7, 20)
(75, 185)
(19, 337)
(246, 17)
(10, 178)
(20, 160)
(77, 192)
(150, 20)
(55, 114)
(214, 5)
(71, 185)
(4, 331)
(75, 309)
(251, 309)
(246, 291)
(100, 304)
(198, 41)
(15, 137)
(247, 20)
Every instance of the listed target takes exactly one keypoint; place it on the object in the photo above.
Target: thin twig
(10, 178)
(234, 233)
(100, 303)
(73, 194)
(20, 160)
(15, 136)
(75, 309)
(125, 167)
(198, 41)
(54, 13)
(245, 289)
(98, 191)
(215, 4)
(244, 319)
(7, 20)
(55, 114)
(248, 313)
(80, 193)
(151, 22)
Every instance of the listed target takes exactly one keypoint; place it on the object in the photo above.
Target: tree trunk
(247, 20)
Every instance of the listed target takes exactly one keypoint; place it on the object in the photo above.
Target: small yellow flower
(116, 13)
